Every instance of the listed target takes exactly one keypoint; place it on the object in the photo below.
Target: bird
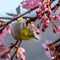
(20, 31)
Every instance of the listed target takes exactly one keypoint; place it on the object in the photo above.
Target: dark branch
(16, 50)
(5, 18)
(55, 42)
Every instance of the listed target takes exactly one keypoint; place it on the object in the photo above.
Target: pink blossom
(58, 14)
(45, 44)
(49, 54)
(5, 56)
(37, 31)
(22, 49)
(57, 17)
(4, 32)
(3, 48)
(52, 51)
(20, 53)
(42, 5)
(28, 4)
(58, 29)
(49, 11)
(45, 19)
(38, 13)
(38, 26)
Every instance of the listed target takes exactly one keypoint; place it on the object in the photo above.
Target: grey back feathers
(16, 28)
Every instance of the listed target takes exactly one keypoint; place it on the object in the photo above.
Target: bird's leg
(14, 44)
(16, 50)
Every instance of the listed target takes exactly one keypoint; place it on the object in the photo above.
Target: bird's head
(28, 34)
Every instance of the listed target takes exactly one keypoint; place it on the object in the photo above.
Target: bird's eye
(31, 34)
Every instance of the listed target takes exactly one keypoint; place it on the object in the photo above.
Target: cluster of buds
(45, 18)
(5, 31)
(4, 52)
(39, 13)
(52, 50)
(42, 5)
(29, 4)
(56, 29)
(45, 21)
(43, 14)
(33, 27)
(20, 51)
(57, 17)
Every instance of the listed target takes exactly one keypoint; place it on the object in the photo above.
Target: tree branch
(55, 42)
(16, 50)
(5, 18)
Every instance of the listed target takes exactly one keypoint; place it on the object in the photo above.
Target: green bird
(19, 31)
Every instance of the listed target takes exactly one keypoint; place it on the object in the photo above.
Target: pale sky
(8, 6)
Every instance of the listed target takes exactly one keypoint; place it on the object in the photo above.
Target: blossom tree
(43, 10)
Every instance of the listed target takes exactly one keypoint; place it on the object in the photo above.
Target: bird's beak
(36, 38)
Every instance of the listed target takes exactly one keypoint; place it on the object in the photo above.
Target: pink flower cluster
(29, 4)
(39, 13)
(33, 27)
(20, 54)
(52, 51)
(56, 29)
(43, 5)
(46, 20)
(3, 50)
(57, 17)
(4, 32)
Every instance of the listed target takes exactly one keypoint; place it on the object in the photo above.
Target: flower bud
(43, 29)
(54, 29)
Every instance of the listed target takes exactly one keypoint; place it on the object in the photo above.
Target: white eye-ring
(31, 34)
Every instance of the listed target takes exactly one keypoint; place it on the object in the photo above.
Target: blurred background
(34, 49)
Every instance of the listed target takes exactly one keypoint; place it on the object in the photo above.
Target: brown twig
(5, 18)
(25, 17)
(16, 50)
(55, 42)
